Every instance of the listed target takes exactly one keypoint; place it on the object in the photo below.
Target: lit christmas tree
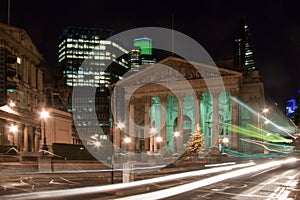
(195, 144)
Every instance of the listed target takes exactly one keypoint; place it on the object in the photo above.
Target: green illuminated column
(215, 133)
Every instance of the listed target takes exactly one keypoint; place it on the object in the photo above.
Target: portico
(171, 108)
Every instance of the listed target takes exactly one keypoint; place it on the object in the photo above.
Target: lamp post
(225, 141)
(127, 175)
(153, 132)
(158, 139)
(264, 111)
(176, 135)
(127, 140)
(44, 115)
(13, 129)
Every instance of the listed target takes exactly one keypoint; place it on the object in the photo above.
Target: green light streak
(259, 134)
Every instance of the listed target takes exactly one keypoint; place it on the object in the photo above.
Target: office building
(141, 54)
(86, 58)
(88, 45)
(243, 49)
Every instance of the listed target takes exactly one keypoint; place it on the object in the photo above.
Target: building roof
(18, 39)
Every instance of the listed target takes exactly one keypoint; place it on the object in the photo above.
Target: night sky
(274, 27)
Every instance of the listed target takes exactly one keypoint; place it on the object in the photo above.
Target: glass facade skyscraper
(86, 58)
(145, 45)
(141, 54)
(89, 45)
(243, 48)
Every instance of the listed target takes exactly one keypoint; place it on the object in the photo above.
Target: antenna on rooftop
(8, 12)
(172, 34)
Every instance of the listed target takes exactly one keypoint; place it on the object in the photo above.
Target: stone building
(176, 96)
(20, 121)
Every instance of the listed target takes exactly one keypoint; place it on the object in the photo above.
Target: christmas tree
(195, 144)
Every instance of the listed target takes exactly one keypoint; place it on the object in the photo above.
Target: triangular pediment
(18, 38)
(176, 69)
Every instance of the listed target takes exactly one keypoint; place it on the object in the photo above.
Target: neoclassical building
(160, 106)
(25, 103)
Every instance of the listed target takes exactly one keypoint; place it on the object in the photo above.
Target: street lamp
(13, 129)
(121, 125)
(264, 111)
(44, 115)
(176, 135)
(153, 132)
(158, 139)
(127, 140)
(12, 104)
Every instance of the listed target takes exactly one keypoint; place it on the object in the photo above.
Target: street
(277, 183)
(270, 180)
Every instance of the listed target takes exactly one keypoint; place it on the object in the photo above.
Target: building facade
(87, 46)
(243, 48)
(156, 111)
(24, 103)
(87, 59)
(21, 127)
(141, 54)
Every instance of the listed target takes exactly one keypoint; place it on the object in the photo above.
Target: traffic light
(7, 72)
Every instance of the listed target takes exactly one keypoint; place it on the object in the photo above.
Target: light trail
(204, 182)
(220, 164)
(265, 147)
(284, 130)
(98, 189)
(93, 171)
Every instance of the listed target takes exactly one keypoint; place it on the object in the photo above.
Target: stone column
(179, 124)
(131, 125)
(147, 124)
(25, 148)
(19, 137)
(197, 108)
(235, 139)
(3, 134)
(37, 136)
(215, 134)
(116, 135)
(163, 100)
(31, 142)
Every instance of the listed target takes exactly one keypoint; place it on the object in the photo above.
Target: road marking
(282, 192)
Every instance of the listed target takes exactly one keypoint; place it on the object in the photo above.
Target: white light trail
(99, 189)
(204, 182)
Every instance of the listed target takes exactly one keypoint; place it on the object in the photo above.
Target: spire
(244, 57)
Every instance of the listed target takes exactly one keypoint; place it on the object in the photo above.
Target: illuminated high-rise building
(145, 45)
(141, 54)
(243, 55)
(77, 44)
(85, 59)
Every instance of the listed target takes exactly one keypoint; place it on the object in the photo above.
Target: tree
(195, 143)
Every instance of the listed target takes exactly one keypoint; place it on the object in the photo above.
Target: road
(255, 181)
(276, 183)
